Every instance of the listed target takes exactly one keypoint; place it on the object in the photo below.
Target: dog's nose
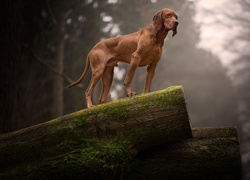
(176, 23)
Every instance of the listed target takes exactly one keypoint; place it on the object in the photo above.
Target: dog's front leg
(135, 59)
(150, 74)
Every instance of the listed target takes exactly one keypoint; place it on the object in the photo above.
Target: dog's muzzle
(176, 23)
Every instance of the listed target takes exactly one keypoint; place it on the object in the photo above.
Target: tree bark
(10, 53)
(95, 142)
(212, 153)
(59, 66)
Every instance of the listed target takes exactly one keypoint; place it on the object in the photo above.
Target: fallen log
(98, 142)
(212, 153)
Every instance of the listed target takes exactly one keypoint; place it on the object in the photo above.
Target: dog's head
(166, 19)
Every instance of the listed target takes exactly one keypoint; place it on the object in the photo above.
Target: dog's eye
(168, 15)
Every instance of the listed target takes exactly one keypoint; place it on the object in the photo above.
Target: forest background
(44, 45)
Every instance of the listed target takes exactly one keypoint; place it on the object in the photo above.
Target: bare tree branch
(53, 19)
(51, 68)
(245, 5)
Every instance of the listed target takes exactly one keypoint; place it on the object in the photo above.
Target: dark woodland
(44, 44)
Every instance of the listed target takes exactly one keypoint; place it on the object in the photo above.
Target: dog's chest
(154, 54)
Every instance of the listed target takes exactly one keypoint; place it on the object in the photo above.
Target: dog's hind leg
(97, 73)
(107, 78)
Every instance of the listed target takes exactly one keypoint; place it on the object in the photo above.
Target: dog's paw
(130, 94)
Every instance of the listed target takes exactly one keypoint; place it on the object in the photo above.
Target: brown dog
(142, 48)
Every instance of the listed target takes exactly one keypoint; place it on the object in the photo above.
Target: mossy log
(212, 153)
(98, 142)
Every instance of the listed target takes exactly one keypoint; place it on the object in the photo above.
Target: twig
(50, 13)
(51, 68)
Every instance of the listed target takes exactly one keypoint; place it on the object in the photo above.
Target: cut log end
(213, 153)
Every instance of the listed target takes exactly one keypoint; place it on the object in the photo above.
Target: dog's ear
(157, 21)
(174, 31)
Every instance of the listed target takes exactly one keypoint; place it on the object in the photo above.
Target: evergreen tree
(10, 53)
(57, 37)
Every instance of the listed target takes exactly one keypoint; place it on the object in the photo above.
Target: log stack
(144, 137)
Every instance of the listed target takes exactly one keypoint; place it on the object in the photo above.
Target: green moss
(229, 131)
(163, 98)
(82, 117)
(211, 151)
(91, 159)
(172, 98)
(110, 156)
(118, 111)
(111, 132)
(53, 122)
(80, 121)
(64, 130)
(78, 143)
(105, 159)
(115, 109)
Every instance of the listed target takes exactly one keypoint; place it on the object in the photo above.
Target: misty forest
(44, 45)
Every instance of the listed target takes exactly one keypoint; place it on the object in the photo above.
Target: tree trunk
(212, 153)
(96, 142)
(10, 53)
(59, 65)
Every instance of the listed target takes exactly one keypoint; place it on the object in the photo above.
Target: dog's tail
(82, 76)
